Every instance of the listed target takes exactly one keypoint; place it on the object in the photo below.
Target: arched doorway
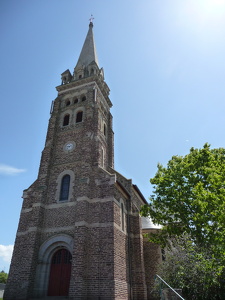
(60, 271)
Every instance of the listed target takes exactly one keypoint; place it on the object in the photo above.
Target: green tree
(189, 201)
(189, 196)
(192, 269)
(3, 277)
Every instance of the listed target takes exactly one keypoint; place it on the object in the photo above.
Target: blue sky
(163, 61)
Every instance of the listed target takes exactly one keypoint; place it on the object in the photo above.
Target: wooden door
(60, 271)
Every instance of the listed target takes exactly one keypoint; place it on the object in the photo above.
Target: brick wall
(106, 245)
(152, 258)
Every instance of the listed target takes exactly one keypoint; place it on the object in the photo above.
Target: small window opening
(65, 185)
(92, 71)
(79, 117)
(80, 76)
(66, 120)
(83, 98)
(75, 101)
(104, 130)
(102, 157)
(68, 103)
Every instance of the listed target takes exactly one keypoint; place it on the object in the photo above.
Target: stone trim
(93, 225)
(48, 206)
(53, 229)
(76, 224)
(94, 200)
(61, 239)
(76, 87)
(70, 204)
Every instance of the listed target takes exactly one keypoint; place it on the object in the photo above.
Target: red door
(59, 279)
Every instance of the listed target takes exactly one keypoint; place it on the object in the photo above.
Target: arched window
(66, 120)
(75, 101)
(83, 98)
(65, 186)
(79, 117)
(68, 103)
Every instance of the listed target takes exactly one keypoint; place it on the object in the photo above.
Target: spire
(88, 53)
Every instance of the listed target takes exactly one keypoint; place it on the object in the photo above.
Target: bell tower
(79, 234)
(80, 127)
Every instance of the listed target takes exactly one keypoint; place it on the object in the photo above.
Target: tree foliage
(189, 196)
(193, 269)
(3, 277)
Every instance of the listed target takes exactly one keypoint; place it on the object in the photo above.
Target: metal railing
(158, 277)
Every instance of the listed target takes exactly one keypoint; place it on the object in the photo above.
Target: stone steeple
(87, 64)
(88, 53)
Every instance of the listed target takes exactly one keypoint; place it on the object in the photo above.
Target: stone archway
(46, 253)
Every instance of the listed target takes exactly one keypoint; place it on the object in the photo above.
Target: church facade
(80, 235)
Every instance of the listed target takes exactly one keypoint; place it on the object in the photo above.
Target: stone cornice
(84, 82)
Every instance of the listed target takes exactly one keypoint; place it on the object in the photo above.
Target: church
(80, 234)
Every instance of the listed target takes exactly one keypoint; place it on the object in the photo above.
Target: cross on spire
(91, 19)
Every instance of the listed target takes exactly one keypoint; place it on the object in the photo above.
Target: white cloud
(8, 170)
(6, 252)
